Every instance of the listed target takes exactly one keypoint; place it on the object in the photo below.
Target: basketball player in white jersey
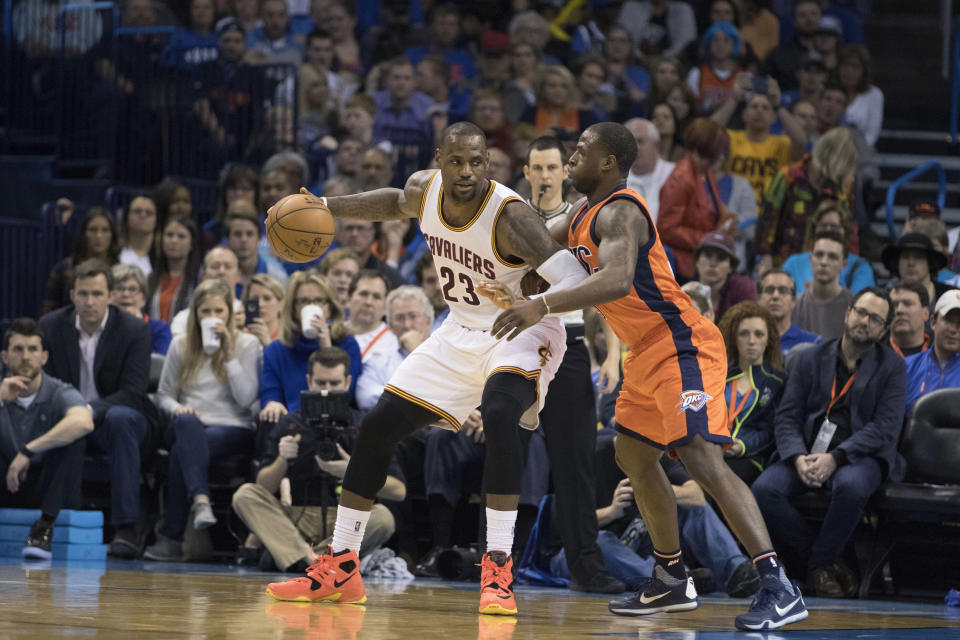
(478, 231)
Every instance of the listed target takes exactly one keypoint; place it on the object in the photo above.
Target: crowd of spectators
(741, 113)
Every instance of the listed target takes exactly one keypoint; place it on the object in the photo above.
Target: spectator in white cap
(939, 367)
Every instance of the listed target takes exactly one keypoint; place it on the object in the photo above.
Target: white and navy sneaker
(772, 607)
(659, 594)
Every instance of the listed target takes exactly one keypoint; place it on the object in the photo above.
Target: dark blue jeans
(849, 487)
(120, 433)
(702, 532)
(192, 445)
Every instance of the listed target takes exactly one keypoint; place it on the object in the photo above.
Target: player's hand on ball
(496, 292)
(521, 315)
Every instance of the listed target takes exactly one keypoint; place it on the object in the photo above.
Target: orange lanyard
(739, 406)
(926, 344)
(373, 342)
(833, 390)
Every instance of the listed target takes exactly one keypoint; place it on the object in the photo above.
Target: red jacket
(687, 212)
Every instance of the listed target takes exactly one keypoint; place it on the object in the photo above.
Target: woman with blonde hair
(556, 107)
(266, 293)
(340, 265)
(285, 360)
(783, 225)
(207, 387)
(754, 385)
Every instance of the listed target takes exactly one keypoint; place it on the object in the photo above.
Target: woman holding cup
(311, 318)
(262, 302)
(208, 384)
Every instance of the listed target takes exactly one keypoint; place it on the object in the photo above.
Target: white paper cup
(306, 320)
(211, 340)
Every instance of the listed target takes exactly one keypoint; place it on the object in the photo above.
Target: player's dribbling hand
(496, 292)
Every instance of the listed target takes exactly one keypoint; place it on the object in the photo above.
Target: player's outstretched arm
(382, 204)
(622, 230)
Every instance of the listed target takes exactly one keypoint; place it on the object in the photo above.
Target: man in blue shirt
(274, 42)
(778, 295)
(403, 118)
(42, 425)
(939, 367)
(445, 30)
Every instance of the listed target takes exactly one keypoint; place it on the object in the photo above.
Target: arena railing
(955, 91)
(908, 177)
(25, 252)
(86, 106)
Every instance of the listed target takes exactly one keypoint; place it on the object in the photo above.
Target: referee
(569, 415)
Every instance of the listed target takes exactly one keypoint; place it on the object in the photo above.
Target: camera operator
(312, 457)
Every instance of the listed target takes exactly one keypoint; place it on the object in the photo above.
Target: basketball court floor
(133, 600)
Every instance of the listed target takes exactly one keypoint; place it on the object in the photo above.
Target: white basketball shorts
(447, 372)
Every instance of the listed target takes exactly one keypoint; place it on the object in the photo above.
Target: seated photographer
(43, 422)
(208, 385)
(314, 458)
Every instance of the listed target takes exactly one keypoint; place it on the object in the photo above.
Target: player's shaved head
(617, 140)
(460, 130)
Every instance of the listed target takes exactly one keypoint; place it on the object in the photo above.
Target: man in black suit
(836, 429)
(105, 354)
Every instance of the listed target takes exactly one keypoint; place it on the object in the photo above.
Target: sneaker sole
(335, 597)
(770, 624)
(670, 608)
(495, 609)
(36, 553)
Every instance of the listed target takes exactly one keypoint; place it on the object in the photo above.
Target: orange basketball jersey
(655, 306)
(674, 375)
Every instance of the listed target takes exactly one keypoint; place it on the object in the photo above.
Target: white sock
(500, 525)
(348, 532)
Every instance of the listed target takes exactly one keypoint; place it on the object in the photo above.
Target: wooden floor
(138, 601)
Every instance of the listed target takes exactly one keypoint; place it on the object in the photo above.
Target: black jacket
(753, 426)
(876, 400)
(121, 368)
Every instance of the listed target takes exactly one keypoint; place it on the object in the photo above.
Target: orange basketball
(300, 227)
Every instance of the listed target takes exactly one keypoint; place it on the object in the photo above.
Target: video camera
(329, 414)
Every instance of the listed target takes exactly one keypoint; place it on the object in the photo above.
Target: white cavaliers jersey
(464, 256)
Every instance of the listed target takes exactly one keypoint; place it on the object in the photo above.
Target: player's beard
(456, 196)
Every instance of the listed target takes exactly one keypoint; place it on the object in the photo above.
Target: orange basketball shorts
(673, 388)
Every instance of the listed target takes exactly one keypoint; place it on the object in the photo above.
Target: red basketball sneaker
(496, 576)
(332, 576)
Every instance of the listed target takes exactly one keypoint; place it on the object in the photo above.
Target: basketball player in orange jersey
(672, 397)
(477, 230)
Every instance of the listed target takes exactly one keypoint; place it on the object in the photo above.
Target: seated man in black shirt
(836, 431)
(288, 526)
(42, 425)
